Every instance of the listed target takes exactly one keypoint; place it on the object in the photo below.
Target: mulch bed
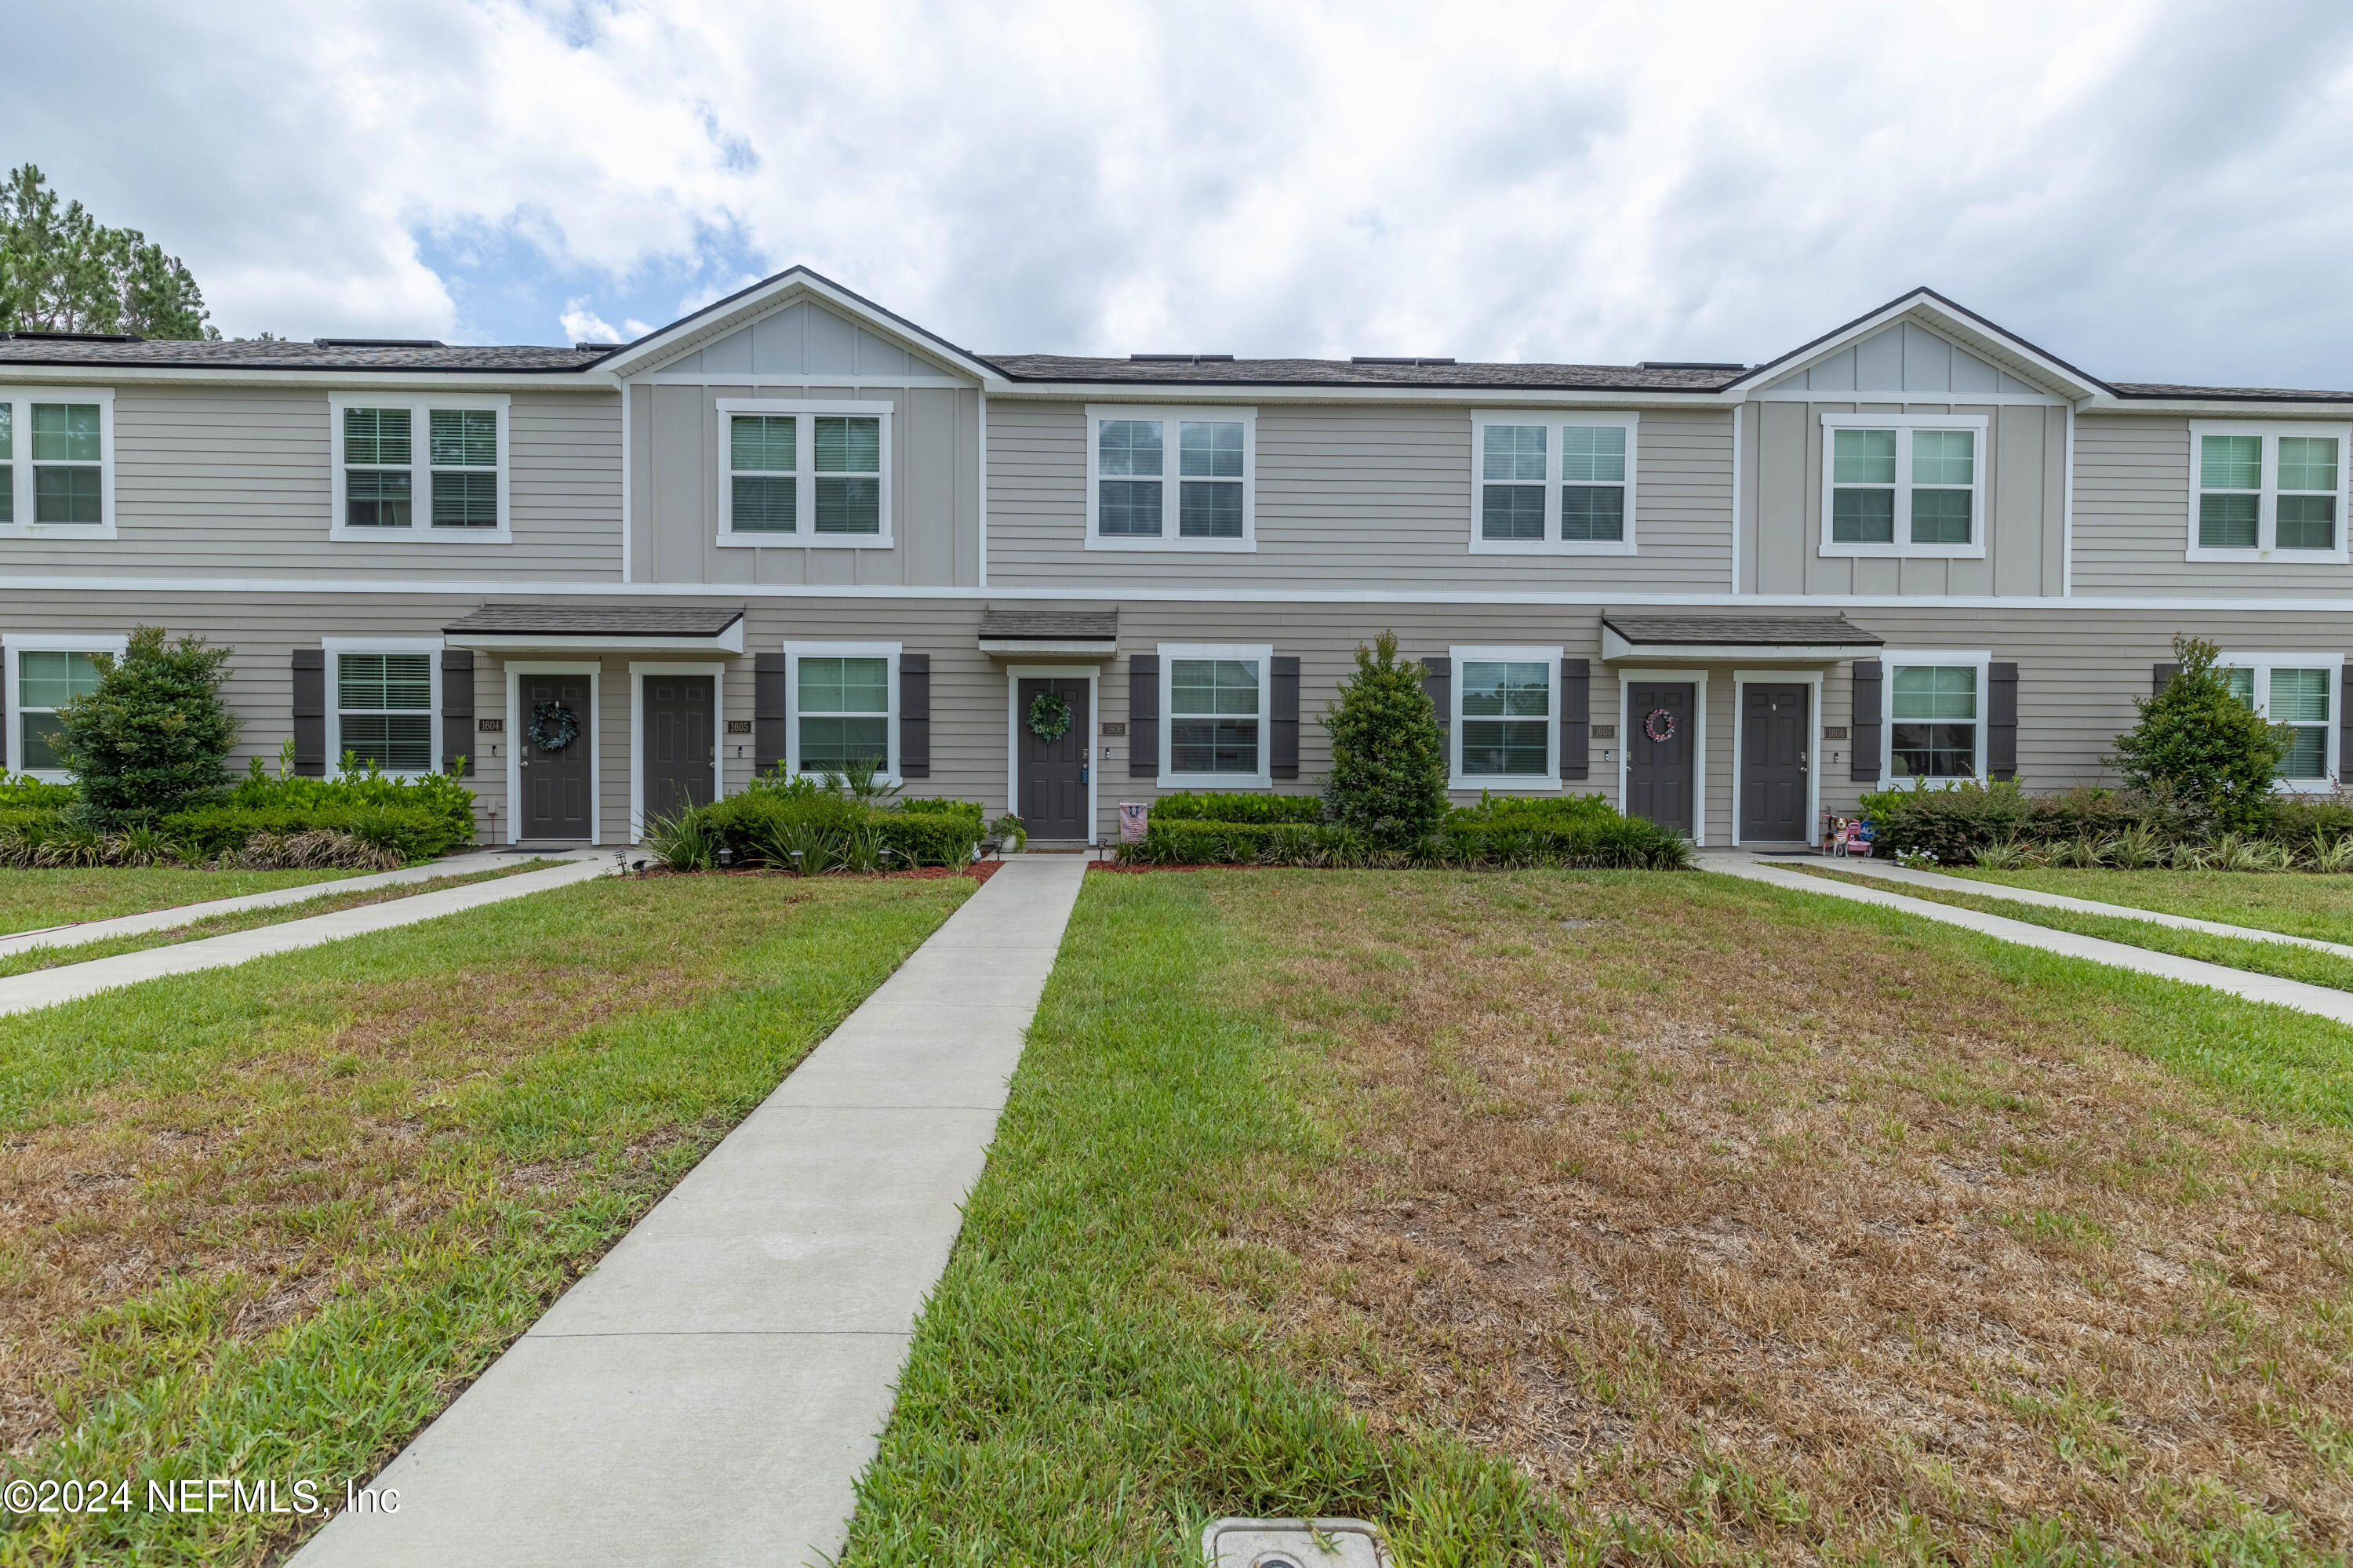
(980, 871)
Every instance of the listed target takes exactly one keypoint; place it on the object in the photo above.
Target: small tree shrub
(2199, 743)
(1388, 756)
(1191, 805)
(151, 737)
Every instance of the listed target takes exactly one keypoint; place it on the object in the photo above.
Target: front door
(678, 742)
(556, 780)
(1774, 726)
(1052, 789)
(1661, 722)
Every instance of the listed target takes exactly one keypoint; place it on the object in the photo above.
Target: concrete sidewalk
(2323, 1001)
(147, 920)
(1887, 871)
(70, 983)
(710, 1393)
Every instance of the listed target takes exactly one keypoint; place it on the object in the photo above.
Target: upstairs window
(807, 475)
(1553, 484)
(384, 711)
(1502, 727)
(1213, 700)
(2298, 690)
(56, 462)
(1171, 478)
(1903, 484)
(2260, 489)
(419, 467)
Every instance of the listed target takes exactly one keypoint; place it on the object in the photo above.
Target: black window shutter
(769, 712)
(1437, 680)
(1144, 715)
(1282, 740)
(310, 712)
(2344, 730)
(914, 715)
(2002, 723)
(1576, 719)
(457, 707)
(1867, 678)
(2161, 676)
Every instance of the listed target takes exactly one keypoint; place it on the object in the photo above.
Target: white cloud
(2148, 189)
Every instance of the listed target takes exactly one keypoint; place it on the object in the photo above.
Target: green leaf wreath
(1049, 716)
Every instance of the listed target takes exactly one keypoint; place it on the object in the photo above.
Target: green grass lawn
(2283, 958)
(265, 1221)
(326, 903)
(1558, 1217)
(32, 900)
(2300, 904)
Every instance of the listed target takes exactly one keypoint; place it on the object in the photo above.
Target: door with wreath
(555, 758)
(1053, 726)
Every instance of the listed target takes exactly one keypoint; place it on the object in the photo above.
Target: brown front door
(677, 741)
(1661, 717)
(1774, 725)
(555, 783)
(1052, 789)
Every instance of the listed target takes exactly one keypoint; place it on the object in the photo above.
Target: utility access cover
(1293, 1543)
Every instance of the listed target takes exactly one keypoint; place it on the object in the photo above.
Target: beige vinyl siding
(934, 489)
(2024, 500)
(236, 482)
(1350, 495)
(2132, 520)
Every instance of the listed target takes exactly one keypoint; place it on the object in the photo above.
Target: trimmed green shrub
(2197, 742)
(762, 825)
(970, 808)
(440, 796)
(1388, 756)
(1529, 809)
(207, 833)
(151, 737)
(22, 792)
(1189, 806)
(1584, 842)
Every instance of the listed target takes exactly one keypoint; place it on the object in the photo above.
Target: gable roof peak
(1950, 317)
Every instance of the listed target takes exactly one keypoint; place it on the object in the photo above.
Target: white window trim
(639, 670)
(1904, 425)
(1812, 680)
(2267, 508)
(805, 536)
(1508, 783)
(1982, 663)
(795, 653)
(1696, 677)
(47, 643)
(1171, 460)
(420, 407)
(1263, 653)
(2263, 664)
(336, 647)
(21, 459)
(1552, 544)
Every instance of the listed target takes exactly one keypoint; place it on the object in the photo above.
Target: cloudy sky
(2155, 191)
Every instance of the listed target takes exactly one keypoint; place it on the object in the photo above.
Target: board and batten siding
(2132, 520)
(2025, 488)
(232, 482)
(1357, 496)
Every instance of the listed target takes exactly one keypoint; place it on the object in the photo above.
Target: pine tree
(151, 738)
(1388, 756)
(62, 270)
(2200, 742)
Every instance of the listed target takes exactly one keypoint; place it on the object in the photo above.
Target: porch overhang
(604, 629)
(1703, 638)
(1013, 632)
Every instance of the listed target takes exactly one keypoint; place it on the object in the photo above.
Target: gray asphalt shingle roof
(2232, 394)
(1761, 630)
(1344, 373)
(598, 619)
(229, 355)
(1022, 625)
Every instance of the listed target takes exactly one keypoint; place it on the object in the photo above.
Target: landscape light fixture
(726, 857)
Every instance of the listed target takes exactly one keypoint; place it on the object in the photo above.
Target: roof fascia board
(2266, 408)
(1318, 392)
(716, 320)
(1951, 320)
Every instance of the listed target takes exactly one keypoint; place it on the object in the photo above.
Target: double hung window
(413, 467)
(843, 706)
(1910, 484)
(1171, 478)
(1550, 482)
(56, 462)
(44, 674)
(1504, 726)
(2256, 489)
(1213, 729)
(1933, 721)
(384, 711)
(2299, 691)
(804, 473)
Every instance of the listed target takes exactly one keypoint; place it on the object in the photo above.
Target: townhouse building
(795, 528)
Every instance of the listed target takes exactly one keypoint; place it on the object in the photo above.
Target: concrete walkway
(81, 931)
(711, 1392)
(70, 983)
(1887, 871)
(2323, 1001)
